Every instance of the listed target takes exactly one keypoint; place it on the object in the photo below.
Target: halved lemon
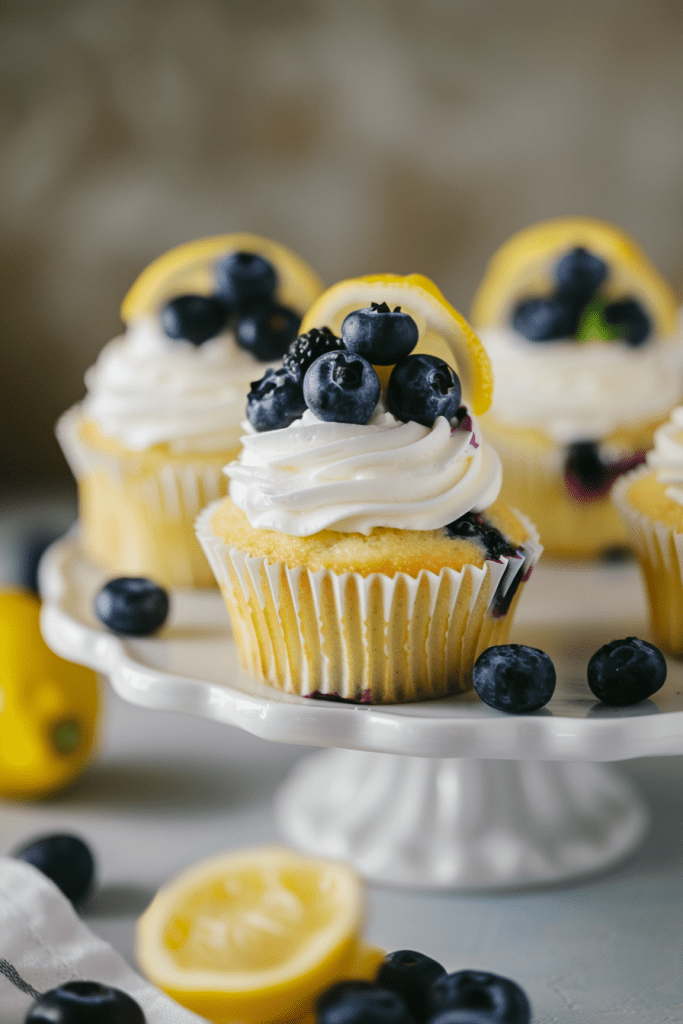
(189, 269)
(524, 266)
(443, 331)
(255, 935)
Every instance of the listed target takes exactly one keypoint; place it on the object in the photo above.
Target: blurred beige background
(369, 136)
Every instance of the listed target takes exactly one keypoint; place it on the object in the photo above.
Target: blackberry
(308, 347)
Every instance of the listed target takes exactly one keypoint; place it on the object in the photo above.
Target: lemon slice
(443, 331)
(524, 266)
(189, 269)
(255, 935)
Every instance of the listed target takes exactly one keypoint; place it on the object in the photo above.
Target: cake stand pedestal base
(460, 823)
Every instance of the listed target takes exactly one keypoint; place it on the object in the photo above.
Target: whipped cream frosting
(146, 388)
(667, 455)
(580, 391)
(315, 475)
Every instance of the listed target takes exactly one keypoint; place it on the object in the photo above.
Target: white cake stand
(441, 794)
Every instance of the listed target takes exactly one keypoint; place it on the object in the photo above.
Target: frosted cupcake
(583, 336)
(362, 551)
(165, 399)
(650, 503)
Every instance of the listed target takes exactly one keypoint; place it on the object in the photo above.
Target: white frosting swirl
(577, 391)
(315, 475)
(146, 388)
(667, 455)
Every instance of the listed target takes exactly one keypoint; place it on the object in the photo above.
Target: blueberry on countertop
(630, 321)
(546, 319)
(514, 678)
(381, 335)
(85, 1002)
(243, 278)
(195, 318)
(266, 330)
(275, 401)
(498, 1000)
(421, 388)
(132, 606)
(626, 671)
(308, 347)
(66, 860)
(361, 1003)
(409, 974)
(579, 273)
(341, 387)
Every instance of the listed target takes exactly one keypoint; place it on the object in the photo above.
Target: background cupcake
(650, 503)
(165, 399)
(584, 339)
(362, 552)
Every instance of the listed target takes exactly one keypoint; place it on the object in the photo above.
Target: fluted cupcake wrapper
(376, 638)
(659, 549)
(136, 517)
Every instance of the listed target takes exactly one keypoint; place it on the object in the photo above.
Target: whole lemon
(48, 706)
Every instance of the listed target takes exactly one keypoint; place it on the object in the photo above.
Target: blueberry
(545, 319)
(514, 678)
(267, 330)
(244, 277)
(195, 318)
(361, 1003)
(132, 605)
(66, 860)
(502, 999)
(409, 974)
(341, 387)
(474, 526)
(626, 671)
(85, 1002)
(579, 273)
(630, 320)
(421, 388)
(379, 334)
(275, 401)
(308, 347)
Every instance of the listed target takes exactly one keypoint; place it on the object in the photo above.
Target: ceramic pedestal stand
(437, 794)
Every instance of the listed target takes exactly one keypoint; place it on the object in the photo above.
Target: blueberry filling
(474, 526)
(578, 310)
(588, 475)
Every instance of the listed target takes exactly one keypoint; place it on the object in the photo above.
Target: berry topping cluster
(577, 309)
(335, 377)
(411, 988)
(519, 679)
(244, 300)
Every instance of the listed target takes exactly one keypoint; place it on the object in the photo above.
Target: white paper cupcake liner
(372, 638)
(137, 517)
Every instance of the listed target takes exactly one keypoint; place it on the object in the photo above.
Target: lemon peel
(443, 331)
(255, 935)
(524, 266)
(188, 269)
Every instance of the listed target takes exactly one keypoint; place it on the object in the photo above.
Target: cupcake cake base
(352, 617)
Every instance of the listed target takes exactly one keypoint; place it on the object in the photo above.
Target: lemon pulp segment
(524, 266)
(443, 331)
(189, 269)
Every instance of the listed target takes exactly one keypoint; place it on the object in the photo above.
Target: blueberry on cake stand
(440, 794)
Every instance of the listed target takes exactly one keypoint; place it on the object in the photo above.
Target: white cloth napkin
(44, 943)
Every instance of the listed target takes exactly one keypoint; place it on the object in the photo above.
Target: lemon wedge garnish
(189, 269)
(524, 266)
(255, 935)
(443, 331)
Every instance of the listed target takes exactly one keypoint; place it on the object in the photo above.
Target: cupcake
(650, 503)
(362, 552)
(164, 400)
(584, 339)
